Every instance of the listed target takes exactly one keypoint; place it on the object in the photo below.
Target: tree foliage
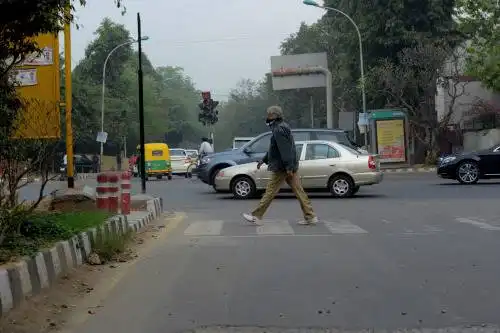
(480, 21)
(170, 97)
(388, 29)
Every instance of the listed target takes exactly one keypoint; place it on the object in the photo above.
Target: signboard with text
(38, 82)
(290, 71)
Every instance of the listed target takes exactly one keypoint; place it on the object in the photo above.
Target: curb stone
(410, 170)
(28, 277)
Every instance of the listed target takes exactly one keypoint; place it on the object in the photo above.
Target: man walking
(283, 162)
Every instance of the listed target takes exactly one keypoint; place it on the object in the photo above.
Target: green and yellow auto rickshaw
(157, 160)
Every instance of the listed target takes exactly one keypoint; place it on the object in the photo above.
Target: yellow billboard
(38, 85)
(391, 140)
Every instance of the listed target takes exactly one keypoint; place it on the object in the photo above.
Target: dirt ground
(80, 293)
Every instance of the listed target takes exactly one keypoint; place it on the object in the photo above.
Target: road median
(40, 269)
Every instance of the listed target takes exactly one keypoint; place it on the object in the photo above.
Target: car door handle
(332, 164)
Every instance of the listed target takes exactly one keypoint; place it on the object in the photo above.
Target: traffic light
(208, 113)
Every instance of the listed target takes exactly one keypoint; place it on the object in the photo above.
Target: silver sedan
(323, 165)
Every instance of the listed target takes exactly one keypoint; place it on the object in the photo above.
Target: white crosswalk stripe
(204, 228)
(477, 223)
(344, 227)
(275, 228)
(335, 227)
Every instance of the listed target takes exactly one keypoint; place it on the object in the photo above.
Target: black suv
(255, 150)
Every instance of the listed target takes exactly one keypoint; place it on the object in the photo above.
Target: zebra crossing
(276, 227)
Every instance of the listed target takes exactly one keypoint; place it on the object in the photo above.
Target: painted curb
(409, 170)
(28, 277)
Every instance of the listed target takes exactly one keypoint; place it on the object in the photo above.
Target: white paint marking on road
(344, 227)
(275, 228)
(386, 221)
(271, 235)
(479, 224)
(204, 228)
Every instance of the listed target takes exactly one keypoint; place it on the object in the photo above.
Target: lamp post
(142, 167)
(104, 87)
(361, 61)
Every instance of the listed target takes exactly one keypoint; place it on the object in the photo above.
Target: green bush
(25, 234)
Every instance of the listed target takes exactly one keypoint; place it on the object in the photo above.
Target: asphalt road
(414, 252)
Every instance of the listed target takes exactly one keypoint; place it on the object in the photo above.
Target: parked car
(254, 150)
(323, 165)
(180, 161)
(470, 167)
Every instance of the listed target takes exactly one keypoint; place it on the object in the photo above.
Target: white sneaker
(252, 219)
(311, 221)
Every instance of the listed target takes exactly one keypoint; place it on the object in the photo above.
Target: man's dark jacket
(281, 155)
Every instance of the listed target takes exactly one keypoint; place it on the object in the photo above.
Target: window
(298, 150)
(157, 153)
(301, 136)
(175, 152)
(260, 145)
(320, 151)
(339, 137)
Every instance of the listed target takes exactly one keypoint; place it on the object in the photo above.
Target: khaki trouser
(273, 187)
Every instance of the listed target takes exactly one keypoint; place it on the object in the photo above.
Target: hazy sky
(217, 42)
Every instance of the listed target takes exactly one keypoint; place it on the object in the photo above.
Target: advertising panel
(38, 84)
(391, 140)
(294, 63)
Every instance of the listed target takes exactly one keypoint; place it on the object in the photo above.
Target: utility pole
(68, 98)
(141, 108)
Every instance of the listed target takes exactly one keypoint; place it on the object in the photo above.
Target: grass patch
(112, 247)
(41, 230)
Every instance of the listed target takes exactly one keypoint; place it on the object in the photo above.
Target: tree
(170, 97)
(479, 20)
(411, 84)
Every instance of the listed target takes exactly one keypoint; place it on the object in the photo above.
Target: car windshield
(351, 149)
(177, 152)
(240, 143)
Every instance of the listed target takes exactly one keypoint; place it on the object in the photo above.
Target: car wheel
(341, 186)
(243, 187)
(468, 172)
(159, 177)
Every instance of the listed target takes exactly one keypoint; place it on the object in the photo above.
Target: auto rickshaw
(157, 160)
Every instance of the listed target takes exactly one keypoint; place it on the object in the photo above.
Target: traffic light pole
(141, 108)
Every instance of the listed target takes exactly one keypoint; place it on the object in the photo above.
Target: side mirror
(247, 151)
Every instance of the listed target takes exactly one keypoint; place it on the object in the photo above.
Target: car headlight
(204, 160)
(448, 159)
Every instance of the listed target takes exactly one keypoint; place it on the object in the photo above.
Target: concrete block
(6, 297)
(20, 282)
(64, 250)
(76, 250)
(92, 235)
(86, 246)
(52, 263)
(41, 268)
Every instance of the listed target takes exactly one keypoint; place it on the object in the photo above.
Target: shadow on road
(467, 186)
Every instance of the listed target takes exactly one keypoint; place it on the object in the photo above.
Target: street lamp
(315, 4)
(104, 87)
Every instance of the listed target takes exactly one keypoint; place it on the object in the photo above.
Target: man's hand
(259, 164)
(290, 173)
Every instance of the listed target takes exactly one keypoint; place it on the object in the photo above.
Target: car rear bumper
(203, 173)
(369, 178)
